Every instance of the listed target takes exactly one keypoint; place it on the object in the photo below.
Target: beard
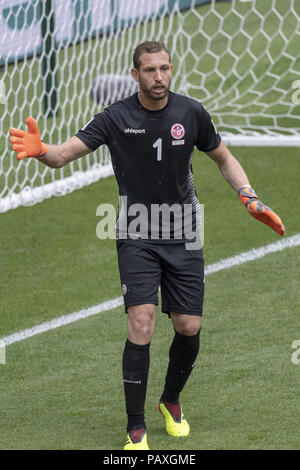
(156, 92)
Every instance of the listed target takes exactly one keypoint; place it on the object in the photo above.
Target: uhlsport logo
(177, 131)
(129, 130)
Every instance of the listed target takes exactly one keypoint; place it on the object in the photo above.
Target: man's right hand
(28, 144)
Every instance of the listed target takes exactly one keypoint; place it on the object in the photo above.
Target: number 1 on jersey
(158, 145)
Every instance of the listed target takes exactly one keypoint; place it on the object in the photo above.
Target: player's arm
(58, 156)
(229, 166)
(238, 180)
(29, 144)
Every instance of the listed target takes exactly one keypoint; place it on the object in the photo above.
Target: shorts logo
(124, 289)
(177, 131)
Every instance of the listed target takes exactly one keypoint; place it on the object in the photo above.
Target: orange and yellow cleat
(176, 424)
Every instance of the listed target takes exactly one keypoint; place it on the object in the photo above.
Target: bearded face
(154, 76)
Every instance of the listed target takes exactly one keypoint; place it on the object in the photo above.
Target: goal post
(48, 57)
(62, 61)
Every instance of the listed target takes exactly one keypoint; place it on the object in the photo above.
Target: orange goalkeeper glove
(28, 144)
(259, 211)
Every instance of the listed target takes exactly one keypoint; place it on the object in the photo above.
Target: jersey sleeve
(208, 138)
(95, 132)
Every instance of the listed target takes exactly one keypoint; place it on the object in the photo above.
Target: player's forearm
(58, 156)
(54, 158)
(229, 166)
(233, 172)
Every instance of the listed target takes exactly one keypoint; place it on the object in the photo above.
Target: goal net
(62, 61)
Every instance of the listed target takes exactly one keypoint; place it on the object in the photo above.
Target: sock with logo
(136, 361)
(182, 357)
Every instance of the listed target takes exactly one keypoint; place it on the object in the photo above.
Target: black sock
(136, 360)
(182, 357)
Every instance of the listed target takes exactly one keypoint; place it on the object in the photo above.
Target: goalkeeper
(151, 136)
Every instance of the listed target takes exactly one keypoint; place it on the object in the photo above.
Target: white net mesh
(244, 64)
(241, 59)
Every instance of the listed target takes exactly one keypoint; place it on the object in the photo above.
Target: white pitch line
(117, 302)
(61, 321)
(253, 254)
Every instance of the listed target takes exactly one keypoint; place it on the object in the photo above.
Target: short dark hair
(149, 47)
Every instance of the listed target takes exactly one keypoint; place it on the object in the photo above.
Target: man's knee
(188, 325)
(141, 320)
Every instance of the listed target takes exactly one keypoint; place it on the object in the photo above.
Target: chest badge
(177, 132)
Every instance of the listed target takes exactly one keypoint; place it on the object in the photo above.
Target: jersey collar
(156, 112)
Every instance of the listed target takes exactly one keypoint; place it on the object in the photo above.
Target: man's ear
(135, 74)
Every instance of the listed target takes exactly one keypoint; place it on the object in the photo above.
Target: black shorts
(146, 266)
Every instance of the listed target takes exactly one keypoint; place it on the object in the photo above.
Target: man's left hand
(260, 211)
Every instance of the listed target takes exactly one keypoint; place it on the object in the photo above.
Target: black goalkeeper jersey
(151, 152)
